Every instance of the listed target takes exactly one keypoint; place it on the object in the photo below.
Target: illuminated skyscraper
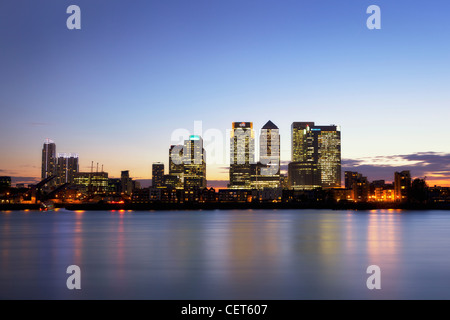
(157, 175)
(267, 171)
(67, 167)
(316, 156)
(302, 142)
(48, 159)
(176, 167)
(242, 155)
(194, 163)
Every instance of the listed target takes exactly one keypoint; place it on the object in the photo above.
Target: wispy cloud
(38, 124)
(432, 165)
(25, 180)
(224, 169)
(8, 172)
(218, 183)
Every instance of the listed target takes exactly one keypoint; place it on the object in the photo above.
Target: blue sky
(115, 90)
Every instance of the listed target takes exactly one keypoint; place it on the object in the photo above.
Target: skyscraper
(242, 155)
(48, 159)
(267, 171)
(194, 163)
(316, 156)
(176, 167)
(67, 167)
(157, 175)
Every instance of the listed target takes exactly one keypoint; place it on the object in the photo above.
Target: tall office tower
(157, 175)
(48, 159)
(242, 155)
(176, 167)
(316, 156)
(126, 182)
(67, 167)
(267, 173)
(302, 142)
(194, 163)
(402, 185)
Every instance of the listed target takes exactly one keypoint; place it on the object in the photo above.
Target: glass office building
(316, 156)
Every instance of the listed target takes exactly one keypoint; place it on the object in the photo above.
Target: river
(225, 254)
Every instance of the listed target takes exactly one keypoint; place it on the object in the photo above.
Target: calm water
(286, 254)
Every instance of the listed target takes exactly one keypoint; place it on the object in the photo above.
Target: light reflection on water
(267, 254)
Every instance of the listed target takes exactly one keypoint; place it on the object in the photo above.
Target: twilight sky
(115, 91)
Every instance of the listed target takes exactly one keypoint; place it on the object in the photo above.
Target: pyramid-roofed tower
(270, 125)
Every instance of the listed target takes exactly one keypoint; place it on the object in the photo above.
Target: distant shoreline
(232, 206)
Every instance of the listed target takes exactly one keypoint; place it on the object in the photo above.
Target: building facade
(48, 159)
(316, 156)
(5, 182)
(92, 182)
(194, 163)
(266, 174)
(402, 185)
(158, 175)
(359, 186)
(66, 168)
(242, 155)
(126, 182)
(175, 178)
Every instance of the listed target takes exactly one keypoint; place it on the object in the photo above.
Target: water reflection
(78, 238)
(288, 254)
(383, 235)
(120, 248)
(240, 248)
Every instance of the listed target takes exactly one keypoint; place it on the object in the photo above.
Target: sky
(121, 89)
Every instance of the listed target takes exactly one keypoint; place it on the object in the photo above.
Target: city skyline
(231, 150)
(158, 67)
(65, 165)
(314, 174)
(360, 165)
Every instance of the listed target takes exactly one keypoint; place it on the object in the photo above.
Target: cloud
(29, 166)
(145, 183)
(8, 172)
(224, 169)
(217, 183)
(432, 165)
(284, 167)
(24, 180)
(38, 124)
